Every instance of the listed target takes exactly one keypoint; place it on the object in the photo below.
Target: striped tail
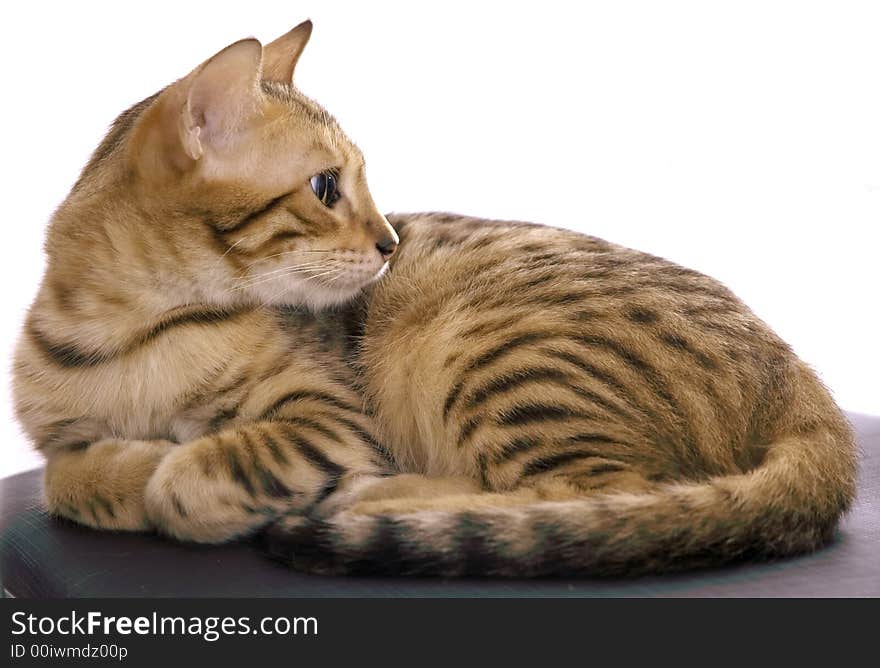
(790, 504)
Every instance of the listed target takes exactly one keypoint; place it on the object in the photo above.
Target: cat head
(256, 183)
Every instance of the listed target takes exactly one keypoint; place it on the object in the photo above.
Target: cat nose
(386, 247)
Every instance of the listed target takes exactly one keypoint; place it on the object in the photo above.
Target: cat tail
(789, 504)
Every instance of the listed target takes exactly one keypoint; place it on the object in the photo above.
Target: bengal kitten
(221, 345)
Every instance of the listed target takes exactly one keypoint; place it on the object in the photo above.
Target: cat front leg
(102, 484)
(231, 483)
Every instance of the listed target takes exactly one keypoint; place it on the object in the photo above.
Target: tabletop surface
(45, 557)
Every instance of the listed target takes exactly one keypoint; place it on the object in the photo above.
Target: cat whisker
(288, 252)
(305, 266)
(271, 298)
(228, 250)
(302, 265)
(282, 273)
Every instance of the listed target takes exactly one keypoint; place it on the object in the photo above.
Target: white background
(739, 138)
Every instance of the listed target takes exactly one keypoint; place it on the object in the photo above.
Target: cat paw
(366, 489)
(183, 502)
(349, 492)
(103, 486)
(101, 511)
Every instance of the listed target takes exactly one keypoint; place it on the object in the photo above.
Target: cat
(230, 339)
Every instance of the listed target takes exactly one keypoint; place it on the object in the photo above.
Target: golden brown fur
(164, 316)
(211, 353)
(627, 414)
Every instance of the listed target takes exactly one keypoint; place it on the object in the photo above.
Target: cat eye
(326, 187)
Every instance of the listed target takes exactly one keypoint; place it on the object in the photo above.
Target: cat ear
(280, 57)
(220, 97)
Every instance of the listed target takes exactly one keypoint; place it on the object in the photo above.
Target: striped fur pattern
(215, 352)
(616, 412)
(186, 365)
